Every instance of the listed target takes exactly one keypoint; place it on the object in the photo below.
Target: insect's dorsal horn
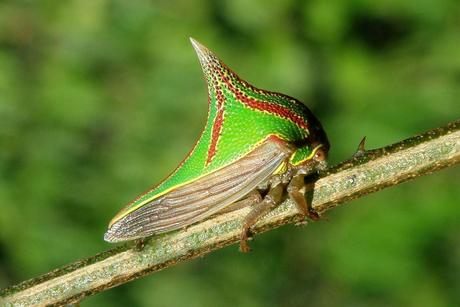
(204, 54)
(219, 77)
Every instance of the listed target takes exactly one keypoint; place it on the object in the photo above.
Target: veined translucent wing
(203, 197)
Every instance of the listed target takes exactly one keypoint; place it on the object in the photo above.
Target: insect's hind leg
(296, 190)
(270, 201)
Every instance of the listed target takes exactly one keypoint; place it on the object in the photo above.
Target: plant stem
(370, 171)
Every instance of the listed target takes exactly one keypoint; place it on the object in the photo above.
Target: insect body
(252, 136)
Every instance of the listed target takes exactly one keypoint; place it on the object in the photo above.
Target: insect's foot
(140, 244)
(312, 215)
(245, 237)
(244, 247)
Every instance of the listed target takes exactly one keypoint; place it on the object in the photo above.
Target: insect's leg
(296, 190)
(140, 244)
(259, 210)
(251, 199)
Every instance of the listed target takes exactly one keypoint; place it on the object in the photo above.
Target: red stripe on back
(260, 105)
(217, 125)
(266, 106)
(216, 128)
(278, 110)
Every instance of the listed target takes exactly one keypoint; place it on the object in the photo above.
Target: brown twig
(365, 173)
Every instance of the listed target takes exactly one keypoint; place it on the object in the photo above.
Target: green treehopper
(255, 149)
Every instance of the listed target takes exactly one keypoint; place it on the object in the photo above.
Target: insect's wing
(203, 197)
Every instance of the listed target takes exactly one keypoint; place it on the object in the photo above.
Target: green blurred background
(101, 99)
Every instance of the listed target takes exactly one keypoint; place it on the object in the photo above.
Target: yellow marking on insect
(309, 157)
(123, 213)
(281, 169)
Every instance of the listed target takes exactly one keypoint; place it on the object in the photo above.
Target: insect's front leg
(140, 243)
(296, 190)
(270, 201)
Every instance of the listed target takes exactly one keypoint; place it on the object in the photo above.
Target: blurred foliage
(100, 99)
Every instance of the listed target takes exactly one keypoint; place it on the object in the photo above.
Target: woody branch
(368, 172)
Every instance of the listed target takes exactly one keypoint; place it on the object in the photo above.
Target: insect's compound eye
(320, 155)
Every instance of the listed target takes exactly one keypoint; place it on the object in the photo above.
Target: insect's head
(317, 148)
(311, 156)
(320, 155)
(319, 142)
